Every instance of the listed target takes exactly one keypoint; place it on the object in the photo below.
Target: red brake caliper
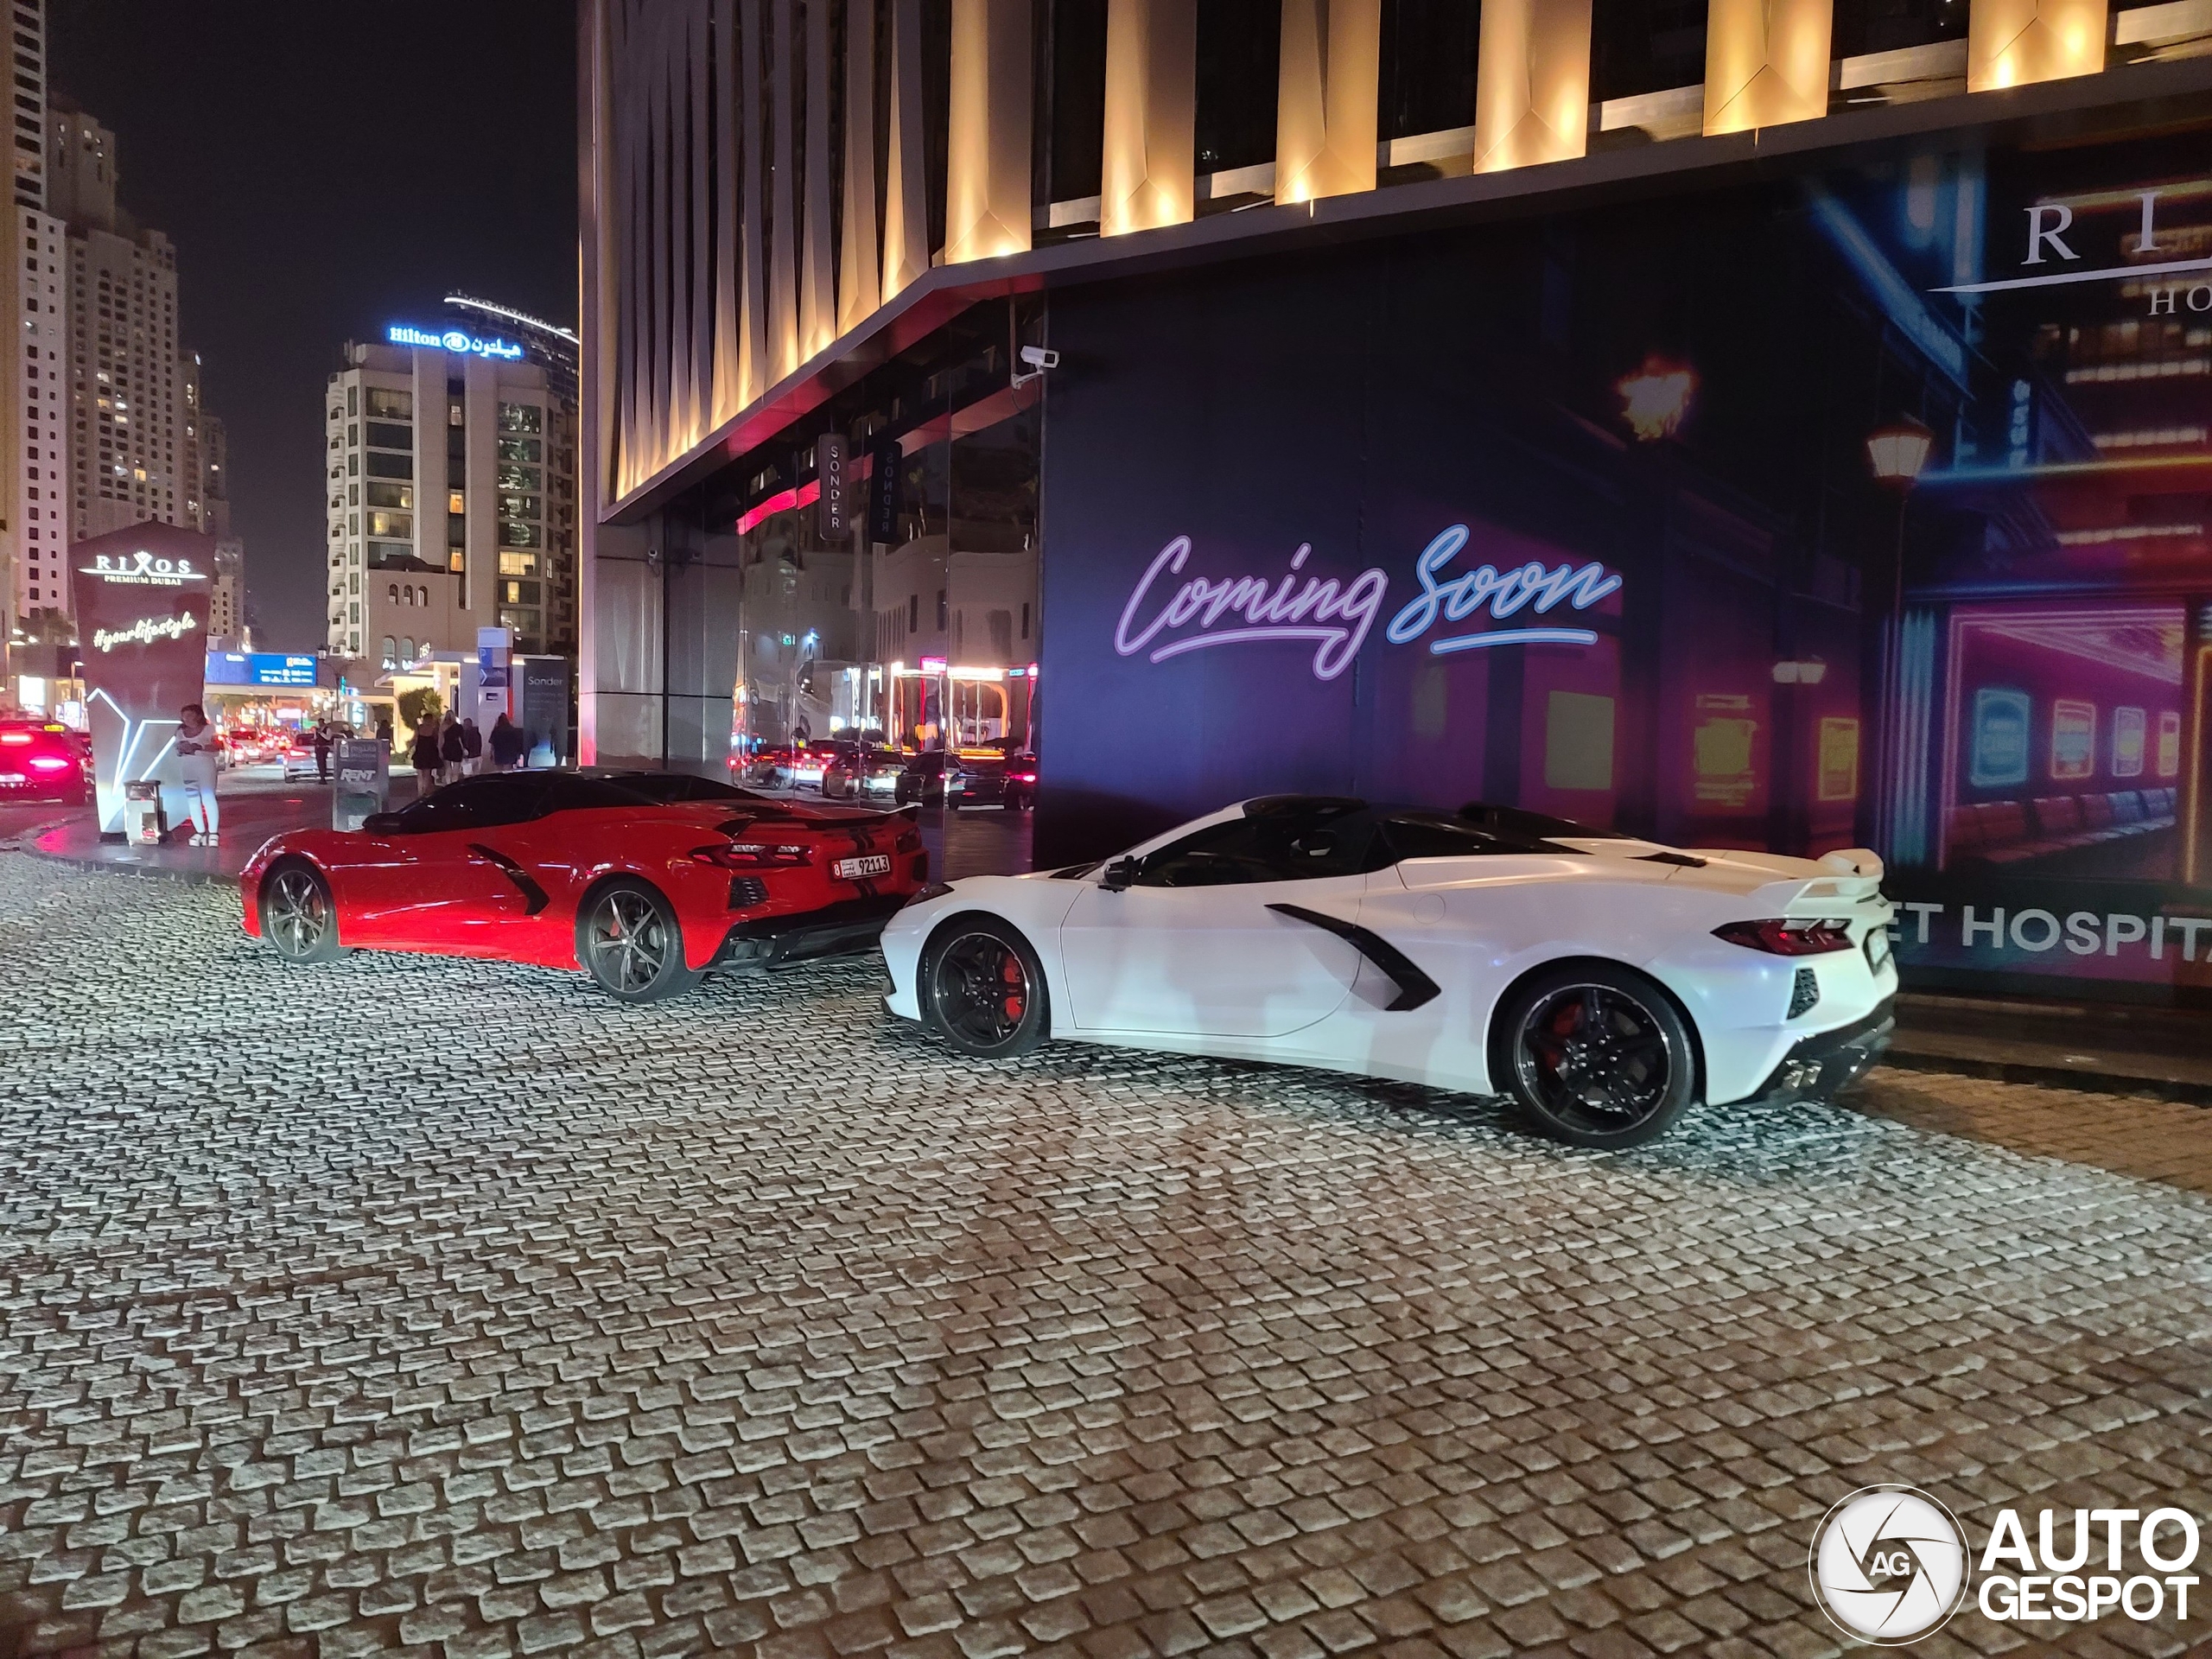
(1563, 1021)
(1010, 973)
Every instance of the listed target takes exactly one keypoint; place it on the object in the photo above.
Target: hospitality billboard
(1861, 506)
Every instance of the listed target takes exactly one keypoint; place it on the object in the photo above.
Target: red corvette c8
(645, 880)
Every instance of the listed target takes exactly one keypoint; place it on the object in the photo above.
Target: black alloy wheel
(297, 916)
(983, 989)
(1596, 1056)
(629, 941)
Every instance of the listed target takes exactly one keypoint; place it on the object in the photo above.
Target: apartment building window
(388, 405)
(521, 417)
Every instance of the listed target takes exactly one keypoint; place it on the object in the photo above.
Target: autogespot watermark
(1891, 1565)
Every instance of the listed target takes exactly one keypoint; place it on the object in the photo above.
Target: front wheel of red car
(629, 941)
(984, 989)
(297, 916)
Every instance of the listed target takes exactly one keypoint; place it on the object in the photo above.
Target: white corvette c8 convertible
(1601, 983)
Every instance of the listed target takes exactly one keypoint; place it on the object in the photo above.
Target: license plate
(13, 778)
(1878, 949)
(856, 870)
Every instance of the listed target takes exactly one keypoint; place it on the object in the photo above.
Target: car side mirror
(1118, 875)
(380, 824)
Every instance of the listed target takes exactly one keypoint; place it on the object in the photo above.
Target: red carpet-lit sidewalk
(253, 811)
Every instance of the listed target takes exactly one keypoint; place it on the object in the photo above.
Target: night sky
(325, 169)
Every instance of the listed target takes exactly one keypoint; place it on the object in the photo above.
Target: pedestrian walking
(472, 744)
(198, 752)
(322, 744)
(452, 752)
(423, 753)
(508, 744)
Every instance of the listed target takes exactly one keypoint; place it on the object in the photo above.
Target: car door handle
(1415, 988)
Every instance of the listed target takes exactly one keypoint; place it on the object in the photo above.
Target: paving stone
(755, 1322)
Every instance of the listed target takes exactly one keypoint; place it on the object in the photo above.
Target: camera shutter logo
(1889, 1565)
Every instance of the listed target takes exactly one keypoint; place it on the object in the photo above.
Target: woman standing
(198, 751)
(423, 752)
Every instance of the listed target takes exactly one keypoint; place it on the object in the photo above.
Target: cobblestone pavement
(446, 1307)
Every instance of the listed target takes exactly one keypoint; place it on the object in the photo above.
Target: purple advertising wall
(141, 598)
(1861, 507)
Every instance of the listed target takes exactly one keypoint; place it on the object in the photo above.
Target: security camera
(1037, 359)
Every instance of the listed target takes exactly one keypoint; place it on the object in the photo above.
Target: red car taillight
(754, 855)
(48, 763)
(1780, 937)
(15, 740)
(1025, 777)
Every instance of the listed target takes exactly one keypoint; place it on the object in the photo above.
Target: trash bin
(143, 821)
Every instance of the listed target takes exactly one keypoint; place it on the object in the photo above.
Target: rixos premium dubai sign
(1454, 610)
(142, 612)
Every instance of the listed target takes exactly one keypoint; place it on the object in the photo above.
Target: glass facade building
(1771, 427)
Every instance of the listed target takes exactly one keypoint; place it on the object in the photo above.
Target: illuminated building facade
(441, 466)
(34, 519)
(1747, 426)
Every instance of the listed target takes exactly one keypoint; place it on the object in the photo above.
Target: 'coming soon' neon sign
(1336, 616)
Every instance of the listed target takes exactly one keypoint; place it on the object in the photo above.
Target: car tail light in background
(754, 856)
(1025, 777)
(1780, 937)
(48, 763)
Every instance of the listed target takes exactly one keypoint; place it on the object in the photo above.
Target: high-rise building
(33, 286)
(127, 458)
(439, 466)
(226, 615)
(554, 349)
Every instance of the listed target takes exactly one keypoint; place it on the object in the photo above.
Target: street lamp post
(1897, 454)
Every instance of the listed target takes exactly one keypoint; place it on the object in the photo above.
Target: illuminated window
(1577, 741)
(2072, 740)
(1838, 759)
(2127, 734)
(2000, 751)
(2169, 743)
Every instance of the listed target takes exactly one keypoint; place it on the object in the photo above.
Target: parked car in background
(602, 872)
(297, 752)
(955, 779)
(43, 760)
(1602, 982)
(862, 771)
(791, 766)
